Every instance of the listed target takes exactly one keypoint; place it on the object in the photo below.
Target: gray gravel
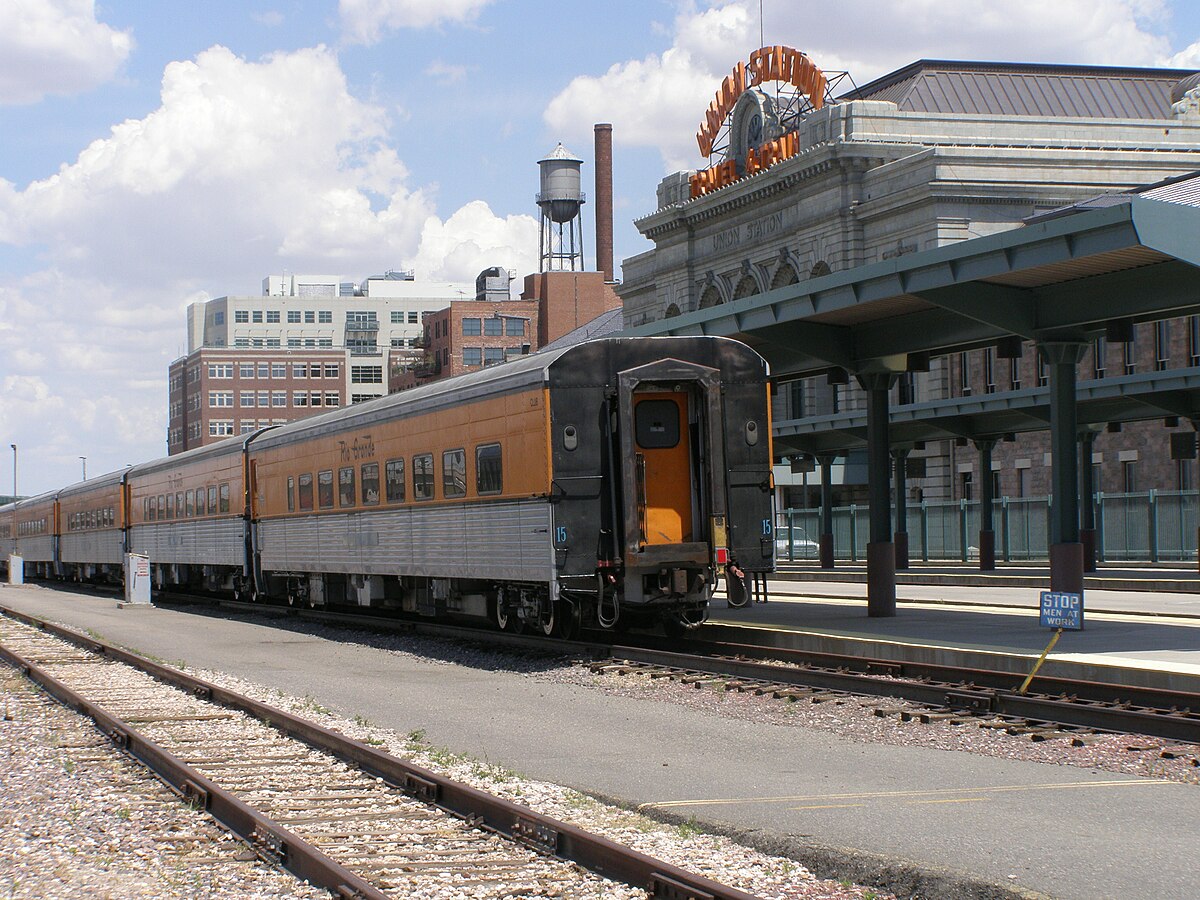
(854, 717)
(79, 820)
(108, 829)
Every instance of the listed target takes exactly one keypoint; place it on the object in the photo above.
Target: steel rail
(662, 880)
(1131, 709)
(1164, 714)
(270, 840)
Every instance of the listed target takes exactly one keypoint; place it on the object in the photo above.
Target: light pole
(83, 459)
(14, 450)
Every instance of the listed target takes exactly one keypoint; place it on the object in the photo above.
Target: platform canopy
(1061, 277)
(1128, 398)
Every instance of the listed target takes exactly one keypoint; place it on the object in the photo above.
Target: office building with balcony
(298, 326)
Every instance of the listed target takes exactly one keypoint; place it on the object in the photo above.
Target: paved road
(1064, 831)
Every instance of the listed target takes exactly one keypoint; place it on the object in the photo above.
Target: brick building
(1131, 457)
(470, 334)
(567, 300)
(217, 392)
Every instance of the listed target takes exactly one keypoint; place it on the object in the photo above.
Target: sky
(155, 154)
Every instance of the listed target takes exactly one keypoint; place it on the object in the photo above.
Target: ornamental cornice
(773, 182)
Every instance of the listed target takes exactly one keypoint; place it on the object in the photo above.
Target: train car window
(145, 509)
(306, 491)
(393, 471)
(454, 473)
(225, 498)
(200, 501)
(178, 505)
(346, 493)
(190, 500)
(170, 506)
(423, 477)
(162, 508)
(370, 484)
(656, 423)
(153, 510)
(325, 489)
(212, 499)
(489, 473)
(291, 492)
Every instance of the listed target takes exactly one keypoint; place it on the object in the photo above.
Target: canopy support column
(826, 551)
(1066, 551)
(987, 533)
(881, 552)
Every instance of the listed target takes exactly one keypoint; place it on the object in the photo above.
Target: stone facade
(873, 181)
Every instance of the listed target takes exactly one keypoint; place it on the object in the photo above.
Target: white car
(801, 546)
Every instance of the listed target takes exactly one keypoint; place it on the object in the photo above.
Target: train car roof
(100, 481)
(528, 371)
(33, 501)
(233, 445)
(520, 373)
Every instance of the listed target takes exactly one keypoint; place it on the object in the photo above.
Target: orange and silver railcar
(610, 481)
(6, 536)
(188, 514)
(34, 525)
(91, 541)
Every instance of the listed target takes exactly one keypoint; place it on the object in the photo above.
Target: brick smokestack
(604, 201)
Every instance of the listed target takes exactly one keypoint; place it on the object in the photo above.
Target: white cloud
(658, 101)
(445, 73)
(55, 47)
(271, 19)
(473, 239)
(365, 21)
(245, 168)
(1187, 58)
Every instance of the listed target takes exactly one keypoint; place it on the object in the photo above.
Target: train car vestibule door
(664, 462)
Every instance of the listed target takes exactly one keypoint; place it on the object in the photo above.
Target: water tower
(560, 201)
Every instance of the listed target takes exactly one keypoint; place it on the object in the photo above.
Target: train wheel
(735, 590)
(570, 620)
(548, 624)
(674, 626)
(505, 620)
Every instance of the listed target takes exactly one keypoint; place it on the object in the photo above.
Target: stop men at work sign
(1062, 610)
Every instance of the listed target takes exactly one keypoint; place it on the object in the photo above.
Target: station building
(932, 154)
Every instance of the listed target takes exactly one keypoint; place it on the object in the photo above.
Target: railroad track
(334, 811)
(1062, 704)
(983, 695)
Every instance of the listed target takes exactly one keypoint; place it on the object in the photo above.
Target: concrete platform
(950, 824)
(1158, 578)
(1143, 637)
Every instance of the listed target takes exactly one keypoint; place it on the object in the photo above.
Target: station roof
(1061, 277)
(1025, 89)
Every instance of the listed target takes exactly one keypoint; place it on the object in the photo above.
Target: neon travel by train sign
(756, 128)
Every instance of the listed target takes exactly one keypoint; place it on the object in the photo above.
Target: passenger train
(609, 483)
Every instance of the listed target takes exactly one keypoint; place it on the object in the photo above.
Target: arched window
(784, 275)
(821, 268)
(672, 311)
(710, 297)
(747, 287)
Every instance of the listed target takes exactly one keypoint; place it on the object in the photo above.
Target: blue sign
(1061, 610)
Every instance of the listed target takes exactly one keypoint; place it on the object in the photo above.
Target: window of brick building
(1162, 345)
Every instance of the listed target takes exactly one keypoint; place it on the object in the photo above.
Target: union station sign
(758, 132)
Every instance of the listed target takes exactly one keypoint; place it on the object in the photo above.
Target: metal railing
(1149, 526)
